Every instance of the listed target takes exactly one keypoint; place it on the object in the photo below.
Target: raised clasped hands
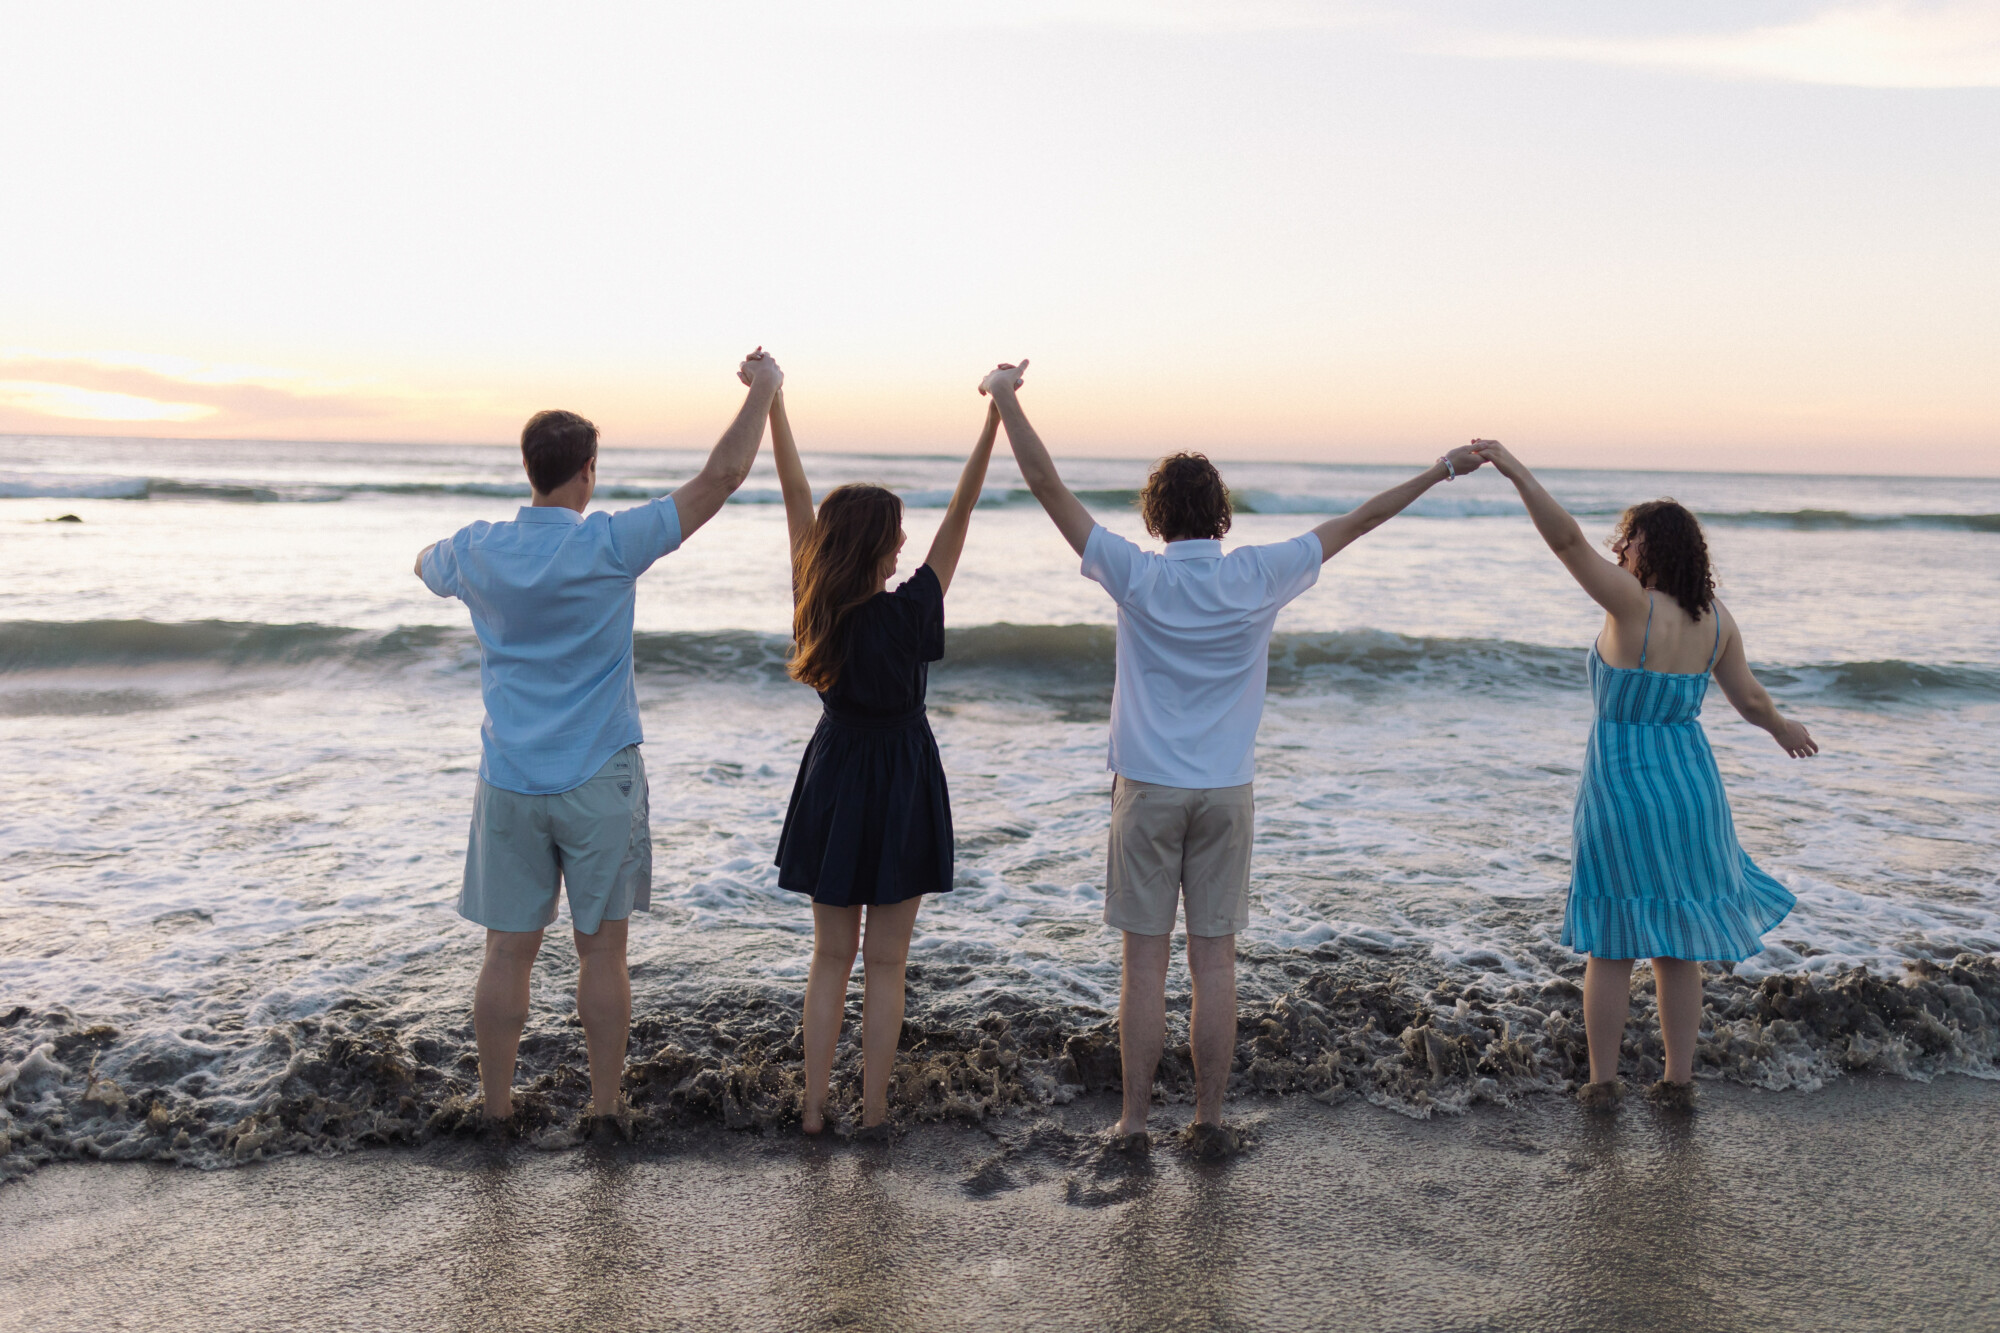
(1466, 458)
(1004, 376)
(760, 367)
(1496, 453)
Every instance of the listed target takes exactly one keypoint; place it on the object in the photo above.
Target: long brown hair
(836, 569)
(1673, 554)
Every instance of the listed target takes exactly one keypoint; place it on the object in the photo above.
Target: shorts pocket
(492, 812)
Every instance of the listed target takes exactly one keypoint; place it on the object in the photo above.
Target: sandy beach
(1868, 1205)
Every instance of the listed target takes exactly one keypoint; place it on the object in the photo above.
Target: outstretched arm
(791, 475)
(1336, 533)
(1611, 587)
(1747, 695)
(950, 539)
(1037, 468)
(729, 462)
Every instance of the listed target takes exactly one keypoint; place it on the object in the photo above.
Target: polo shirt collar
(547, 514)
(1208, 548)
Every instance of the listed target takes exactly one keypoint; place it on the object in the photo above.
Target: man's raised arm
(1037, 468)
(729, 462)
(1337, 533)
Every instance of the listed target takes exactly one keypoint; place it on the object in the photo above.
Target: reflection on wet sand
(1175, 1254)
(1867, 1206)
(1633, 1248)
(843, 1257)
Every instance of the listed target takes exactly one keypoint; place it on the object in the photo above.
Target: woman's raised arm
(950, 539)
(792, 481)
(1609, 585)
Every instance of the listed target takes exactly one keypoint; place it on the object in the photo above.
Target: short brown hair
(555, 446)
(1185, 499)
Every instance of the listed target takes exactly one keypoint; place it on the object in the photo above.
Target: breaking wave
(1060, 660)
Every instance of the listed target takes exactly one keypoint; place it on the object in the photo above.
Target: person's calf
(604, 1002)
(1142, 1025)
(500, 1011)
(1212, 1029)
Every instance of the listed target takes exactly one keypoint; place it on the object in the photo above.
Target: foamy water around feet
(242, 738)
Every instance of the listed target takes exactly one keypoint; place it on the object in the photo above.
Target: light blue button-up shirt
(551, 600)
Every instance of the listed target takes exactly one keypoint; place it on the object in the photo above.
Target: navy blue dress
(870, 819)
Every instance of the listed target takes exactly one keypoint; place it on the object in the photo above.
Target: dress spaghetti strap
(1649, 632)
(1713, 652)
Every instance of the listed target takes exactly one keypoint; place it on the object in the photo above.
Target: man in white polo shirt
(1194, 634)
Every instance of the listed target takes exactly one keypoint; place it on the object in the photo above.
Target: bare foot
(812, 1120)
(1602, 1097)
(1207, 1142)
(1672, 1096)
(1139, 1144)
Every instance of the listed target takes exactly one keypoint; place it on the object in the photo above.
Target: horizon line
(952, 457)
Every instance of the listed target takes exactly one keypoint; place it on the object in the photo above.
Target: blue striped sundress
(1657, 871)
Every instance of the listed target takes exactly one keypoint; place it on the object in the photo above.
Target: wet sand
(1874, 1204)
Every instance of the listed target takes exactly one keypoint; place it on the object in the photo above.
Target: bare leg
(604, 1000)
(1678, 983)
(1142, 1023)
(836, 935)
(1212, 962)
(500, 1011)
(1607, 1000)
(883, 956)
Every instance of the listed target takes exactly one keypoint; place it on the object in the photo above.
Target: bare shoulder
(1728, 633)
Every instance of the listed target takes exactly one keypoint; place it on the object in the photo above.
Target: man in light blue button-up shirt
(561, 802)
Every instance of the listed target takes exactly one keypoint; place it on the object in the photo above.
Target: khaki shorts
(595, 840)
(1170, 841)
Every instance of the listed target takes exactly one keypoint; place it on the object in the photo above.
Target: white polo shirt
(1194, 643)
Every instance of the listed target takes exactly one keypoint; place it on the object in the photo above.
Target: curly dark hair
(1673, 555)
(1184, 499)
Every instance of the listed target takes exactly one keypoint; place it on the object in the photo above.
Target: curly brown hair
(836, 569)
(1184, 499)
(1672, 555)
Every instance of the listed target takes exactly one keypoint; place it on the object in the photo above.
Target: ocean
(240, 743)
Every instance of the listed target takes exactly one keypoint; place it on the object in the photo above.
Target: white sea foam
(243, 824)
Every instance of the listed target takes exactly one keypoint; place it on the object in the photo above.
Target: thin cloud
(1862, 46)
(49, 393)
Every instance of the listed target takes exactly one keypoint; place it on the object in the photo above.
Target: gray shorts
(594, 840)
(1170, 842)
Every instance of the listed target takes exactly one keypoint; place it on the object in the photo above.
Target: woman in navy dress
(1656, 871)
(869, 828)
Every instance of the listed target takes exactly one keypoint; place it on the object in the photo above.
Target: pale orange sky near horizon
(1753, 236)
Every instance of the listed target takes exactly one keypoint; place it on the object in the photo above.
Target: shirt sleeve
(924, 595)
(1292, 566)
(440, 568)
(644, 534)
(1111, 562)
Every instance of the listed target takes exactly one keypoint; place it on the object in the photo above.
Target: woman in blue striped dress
(1656, 871)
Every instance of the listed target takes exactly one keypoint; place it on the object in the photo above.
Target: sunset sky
(1739, 235)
